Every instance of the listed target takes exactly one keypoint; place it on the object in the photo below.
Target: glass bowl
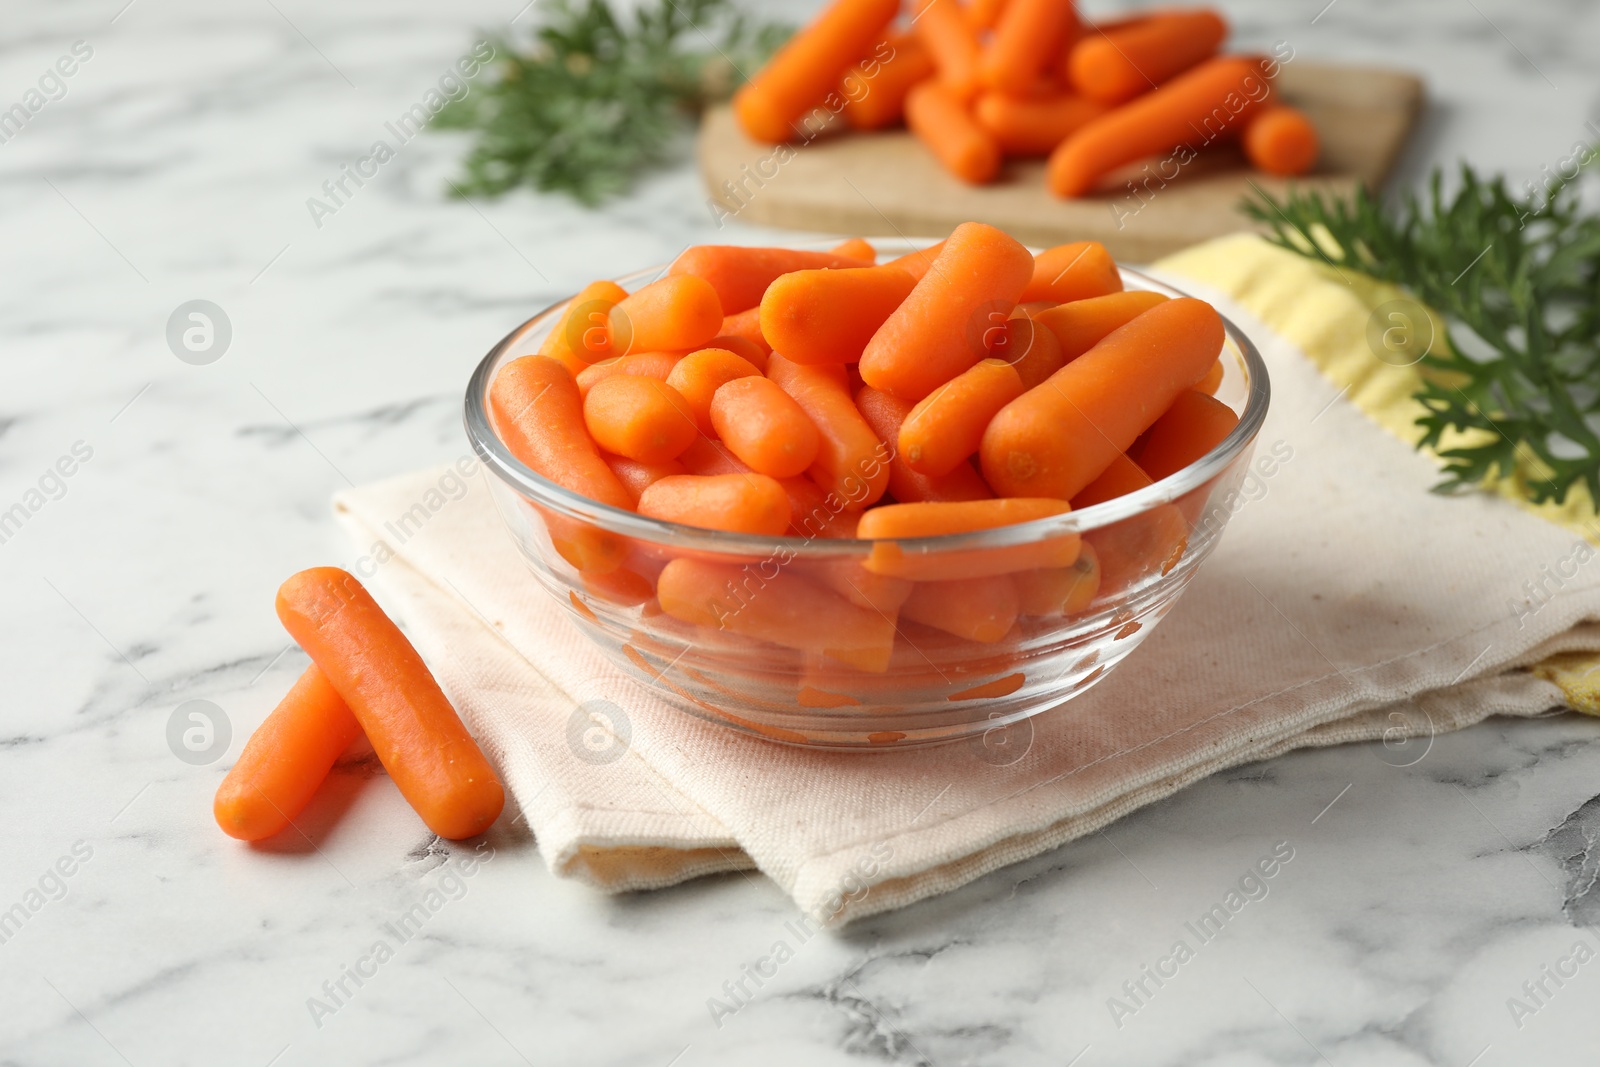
(851, 674)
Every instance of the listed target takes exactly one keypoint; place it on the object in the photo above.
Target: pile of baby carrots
(984, 80)
(819, 394)
(365, 677)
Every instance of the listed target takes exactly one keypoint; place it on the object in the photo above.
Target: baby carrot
(851, 461)
(936, 519)
(417, 735)
(707, 457)
(582, 335)
(918, 263)
(1213, 379)
(856, 248)
(741, 503)
(740, 274)
(285, 760)
(946, 426)
(657, 365)
(741, 346)
(1116, 67)
(1281, 141)
(1026, 39)
(1032, 349)
(798, 78)
(787, 610)
(636, 477)
(1032, 126)
(764, 427)
(828, 316)
(538, 413)
(699, 375)
(875, 101)
(885, 414)
(814, 512)
(1057, 438)
(941, 122)
(1074, 271)
(984, 14)
(639, 418)
(1194, 425)
(1149, 543)
(891, 522)
(936, 333)
(979, 609)
(953, 45)
(1213, 99)
(1060, 590)
(1081, 324)
(1122, 477)
(679, 311)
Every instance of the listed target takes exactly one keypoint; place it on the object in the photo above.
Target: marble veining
(1424, 902)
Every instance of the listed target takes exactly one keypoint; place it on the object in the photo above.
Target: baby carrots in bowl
(923, 517)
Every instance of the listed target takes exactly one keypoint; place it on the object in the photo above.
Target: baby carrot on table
(764, 427)
(1116, 66)
(1194, 425)
(285, 760)
(802, 72)
(741, 503)
(1033, 125)
(699, 375)
(639, 418)
(941, 122)
(583, 333)
(953, 45)
(1081, 324)
(1211, 101)
(1059, 436)
(1073, 271)
(1027, 37)
(828, 316)
(417, 735)
(679, 312)
(885, 414)
(946, 426)
(1282, 141)
(740, 274)
(851, 461)
(937, 331)
(873, 101)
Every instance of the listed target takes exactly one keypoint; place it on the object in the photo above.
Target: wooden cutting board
(886, 184)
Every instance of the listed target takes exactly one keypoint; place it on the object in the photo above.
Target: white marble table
(175, 166)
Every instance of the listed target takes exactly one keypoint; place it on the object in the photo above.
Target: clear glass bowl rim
(498, 458)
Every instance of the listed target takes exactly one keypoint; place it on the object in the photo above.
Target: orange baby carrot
(1116, 67)
(1081, 324)
(1074, 271)
(582, 335)
(1060, 590)
(953, 45)
(877, 99)
(1032, 126)
(740, 274)
(764, 427)
(947, 425)
(856, 248)
(861, 587)
(851, 461)
(1212, 100)
(657, 365)
(814, 512)
(285, 760)
(636, 477)
(1194, 425)
(1032, 350)
(937, 332)
(1213, 379)
(885, 414)
(941, 122)
(1026, 39)
(707, 457)
(679, 311)
(935, 519)
(417, 735)
(1057, 438)
(538, 413)
(828, 316)
(1139, 547)
(786, 610)
(889, 523)
(979, 609)
(639, 418)
(918, 263)
(699, 375)
(743, 347)
(742, 503)
(1122, 477)
(1281, 141)
(984, 14)
(798, 78)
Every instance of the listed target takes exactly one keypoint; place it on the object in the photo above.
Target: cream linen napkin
(1345, 602)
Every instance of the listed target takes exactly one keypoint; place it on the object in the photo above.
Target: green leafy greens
(595, 98)
(1516, 280)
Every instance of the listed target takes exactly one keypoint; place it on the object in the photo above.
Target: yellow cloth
(1326, 311)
